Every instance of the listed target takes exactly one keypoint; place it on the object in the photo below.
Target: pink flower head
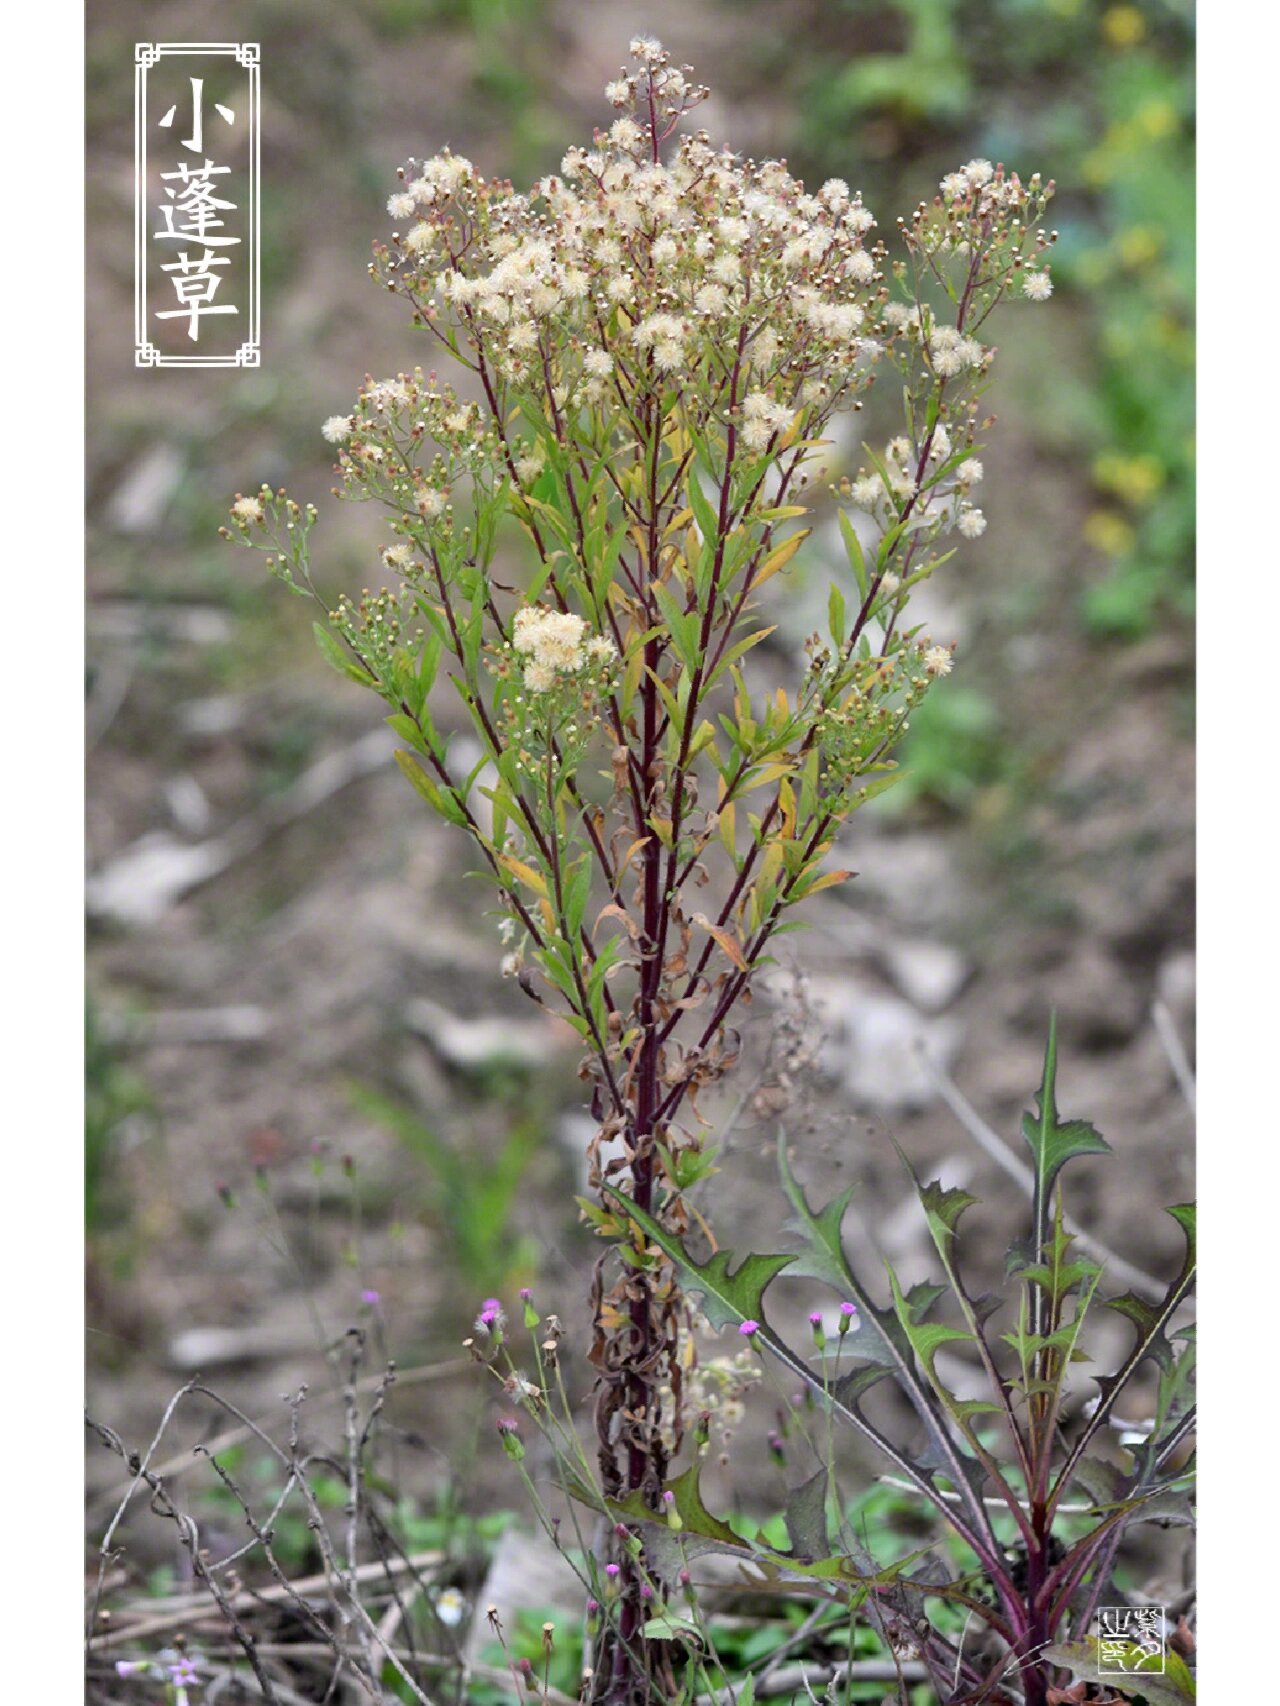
(749, 1329)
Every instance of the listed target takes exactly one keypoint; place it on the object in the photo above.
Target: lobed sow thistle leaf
(882, 1340)
(1052, 1141)
(728, 1297)
(806, 1517)
(1176, 1416)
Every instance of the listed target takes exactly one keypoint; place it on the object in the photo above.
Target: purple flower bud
(371, 1297)
(613, 1570)
(749, 1329)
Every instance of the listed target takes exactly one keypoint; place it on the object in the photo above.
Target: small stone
(880, 1046)
(929, 974)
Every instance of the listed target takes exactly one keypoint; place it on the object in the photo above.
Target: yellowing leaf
(779, 558)
(525, 873)
(828, 880)
(729, 943)
(727, 825)
(770, 773)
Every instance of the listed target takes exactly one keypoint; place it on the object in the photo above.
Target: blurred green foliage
(1103, 96)
(475, 1207)
(114, 1096)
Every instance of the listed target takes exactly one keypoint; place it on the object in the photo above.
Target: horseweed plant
(654, 346)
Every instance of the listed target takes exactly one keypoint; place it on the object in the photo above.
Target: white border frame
(146, 54)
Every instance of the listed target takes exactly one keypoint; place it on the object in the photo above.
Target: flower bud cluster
(409, 441)
(554, 678)
(623, 275)
(857, 731)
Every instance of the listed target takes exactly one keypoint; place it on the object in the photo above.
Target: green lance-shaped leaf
(1175, 1687)
(333, 654)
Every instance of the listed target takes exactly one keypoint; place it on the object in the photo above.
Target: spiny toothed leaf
(850, 1387)
(984, 1307)
(806, 1518)
(1151, 1343)
(881, 1339)
(823, 1257)
(669, 1549)
(735, 1296)
(1053, 1141)
(964, 1408)
(692, 1509)
(877, 1337)
(925, 1337)
(943, 1206)
(1058, 1282)
(1147, 1318)
(730, 1296)
(921, 1298)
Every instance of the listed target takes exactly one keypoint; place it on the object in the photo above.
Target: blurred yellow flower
(1109, 533)
(1139, 246)
(1123, 26)
(1157, 119)
(1135, 479)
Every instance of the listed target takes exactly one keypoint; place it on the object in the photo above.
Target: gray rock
(878, 1045)
(527, 1574)
(929, 974)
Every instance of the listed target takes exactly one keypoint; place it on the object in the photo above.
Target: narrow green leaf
(1175, 1687)
(333, 654)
